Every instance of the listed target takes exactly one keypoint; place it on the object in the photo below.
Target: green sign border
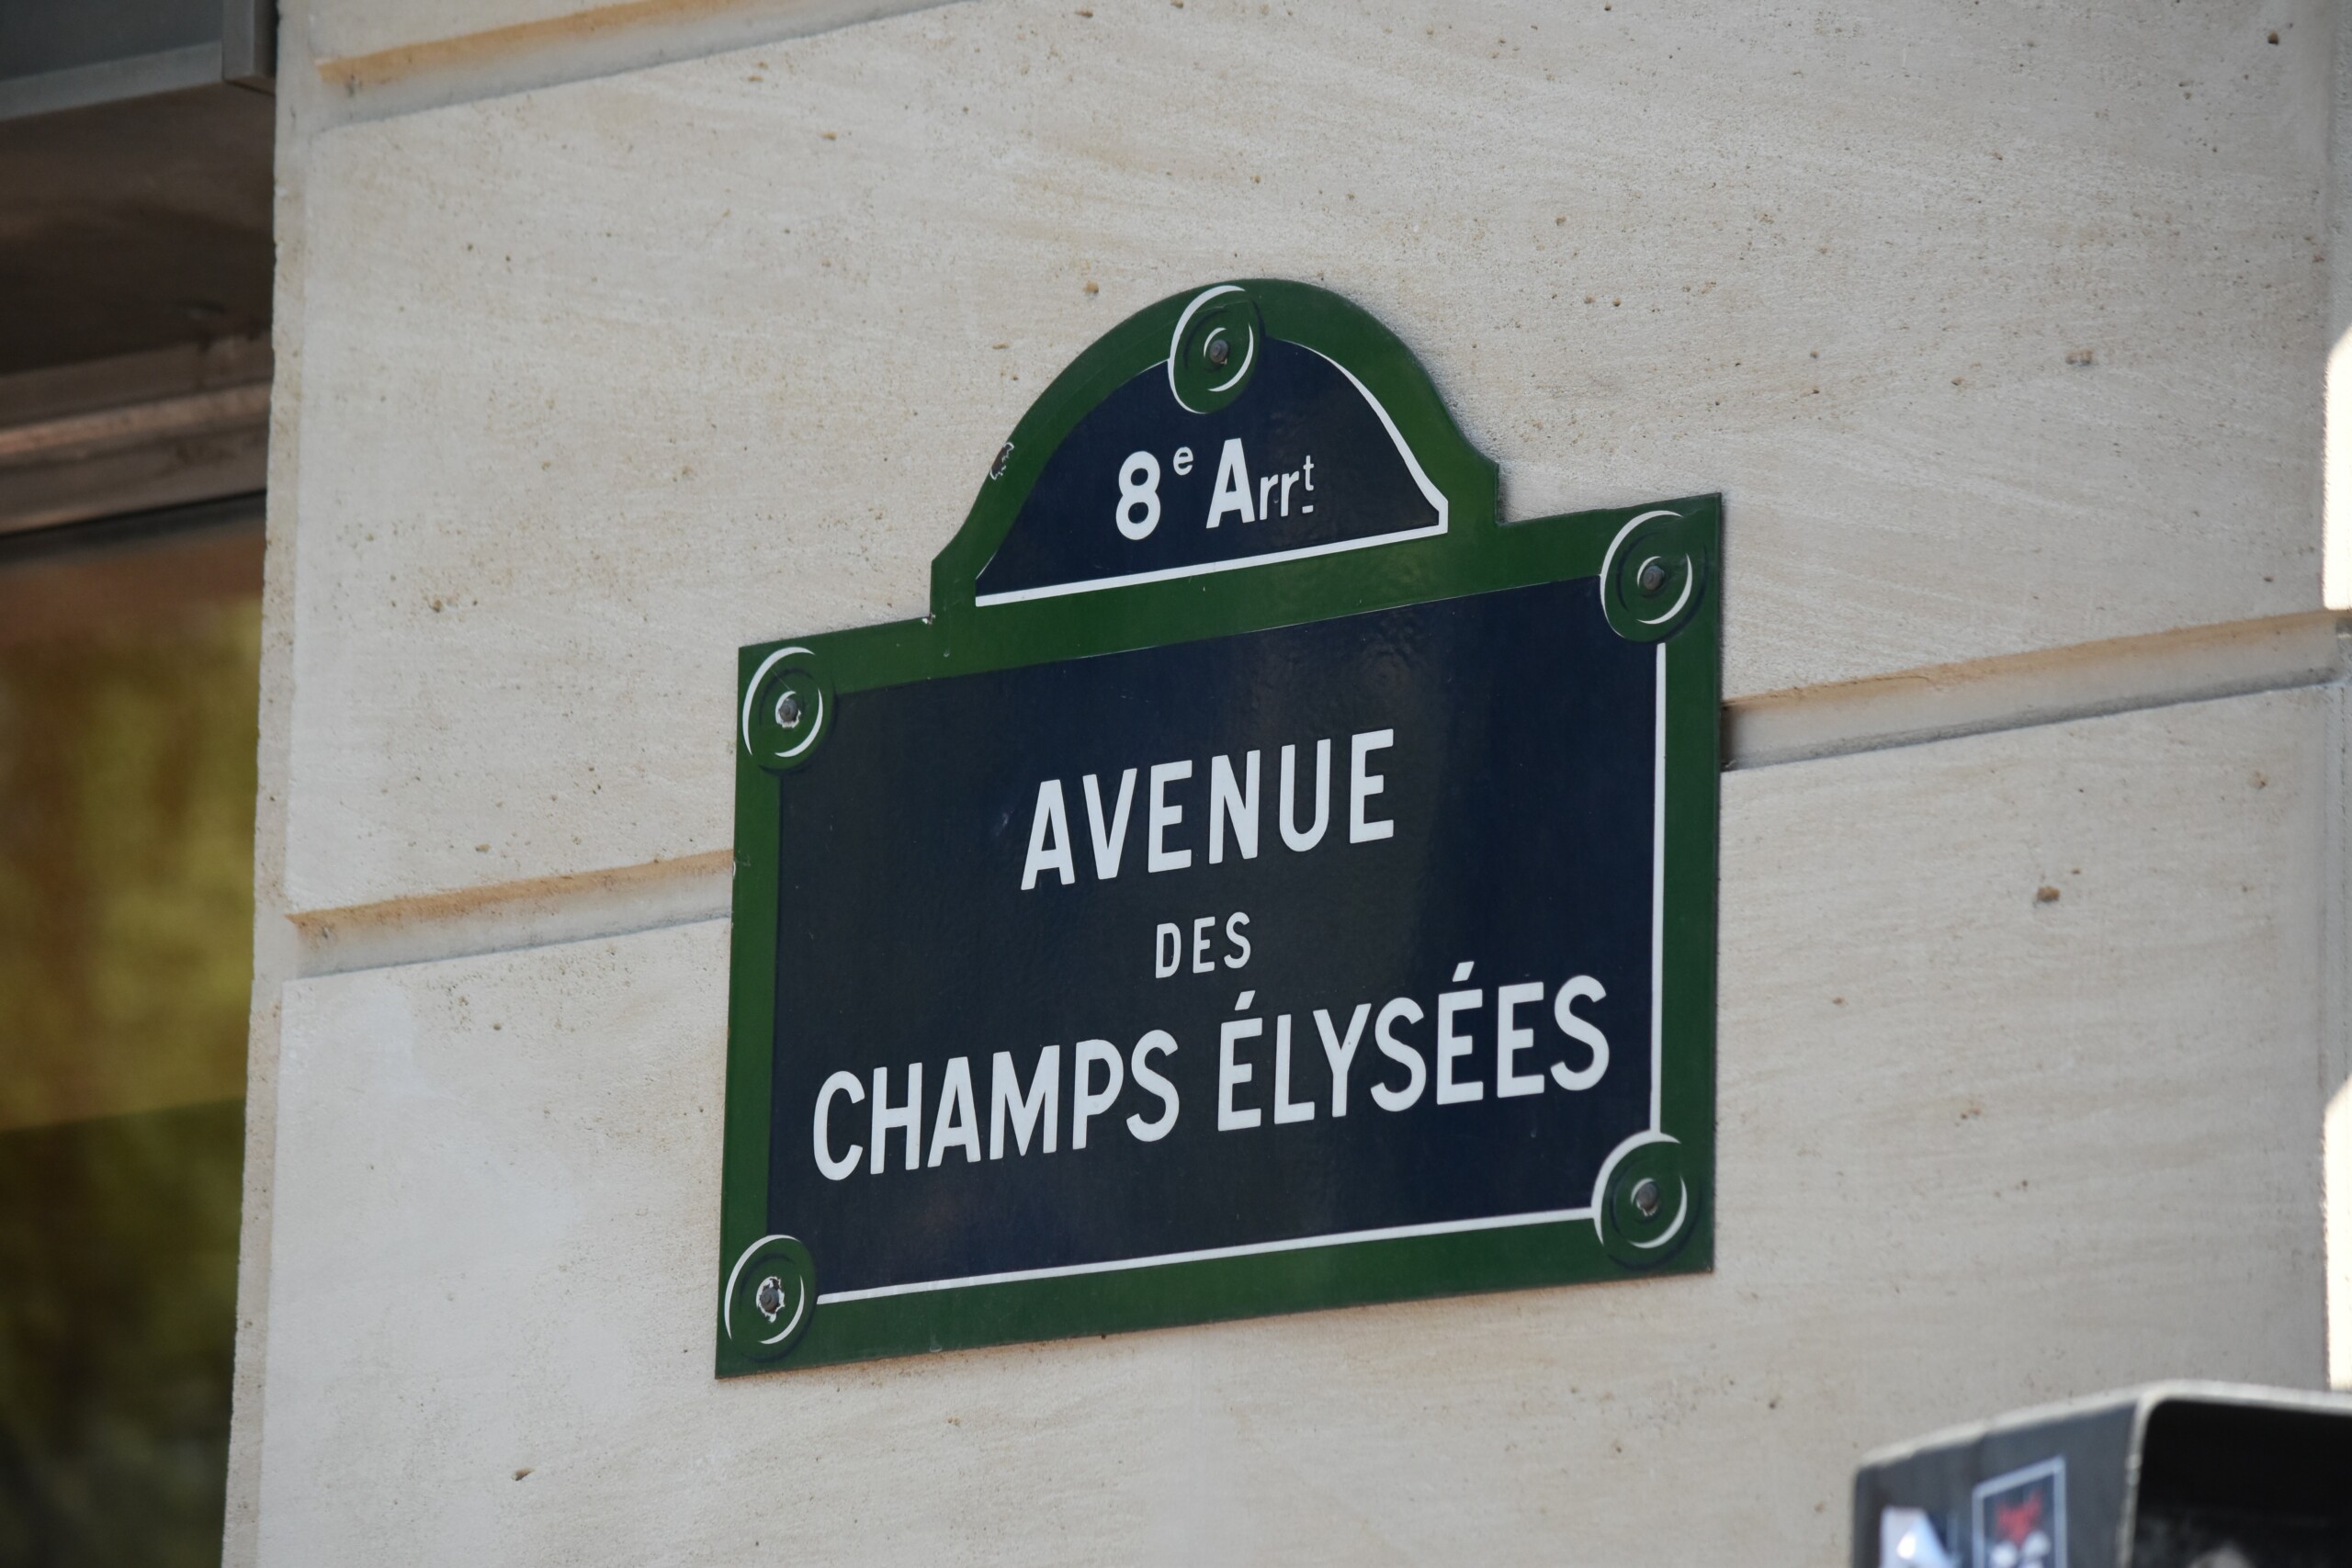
(1658, 1214)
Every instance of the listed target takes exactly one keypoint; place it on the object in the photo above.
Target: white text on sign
(1234, 798)
(1137, 509)
(1459, 1060)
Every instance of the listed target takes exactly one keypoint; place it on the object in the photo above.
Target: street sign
(1264, 881)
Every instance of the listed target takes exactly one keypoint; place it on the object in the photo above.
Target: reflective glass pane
(129, 665)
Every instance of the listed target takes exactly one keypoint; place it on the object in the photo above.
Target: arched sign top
(1240, 425)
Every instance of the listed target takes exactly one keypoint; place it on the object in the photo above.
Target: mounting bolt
(769, 1298)
(787, 709)
(1219, 351)
(1652, 577)
(1646, 1197)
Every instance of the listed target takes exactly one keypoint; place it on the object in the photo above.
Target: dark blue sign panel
(1219, 947)
(1263, 882)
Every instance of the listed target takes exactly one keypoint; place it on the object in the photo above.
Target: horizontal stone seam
(2059, 685)
(552, 51)
(1844, 718)
(510, 916)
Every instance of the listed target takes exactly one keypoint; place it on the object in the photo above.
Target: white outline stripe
(1430, 493)
(1658, 911)
(1248, 1249)
(1168, 574)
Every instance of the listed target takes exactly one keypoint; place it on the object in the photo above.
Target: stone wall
(612, 339)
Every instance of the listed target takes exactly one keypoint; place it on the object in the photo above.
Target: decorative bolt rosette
(1643, 1204)
(786, 710)
(1218, 342)
(1653, 577)
(771, 1294)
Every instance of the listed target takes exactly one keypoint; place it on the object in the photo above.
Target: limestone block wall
(613, 338)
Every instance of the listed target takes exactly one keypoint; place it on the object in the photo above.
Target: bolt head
(769, 1297)
(1646, 1197)
(1219, 351)
(1652, 576)
(787, 709)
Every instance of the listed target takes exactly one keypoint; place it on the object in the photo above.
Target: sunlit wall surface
(127, 678)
